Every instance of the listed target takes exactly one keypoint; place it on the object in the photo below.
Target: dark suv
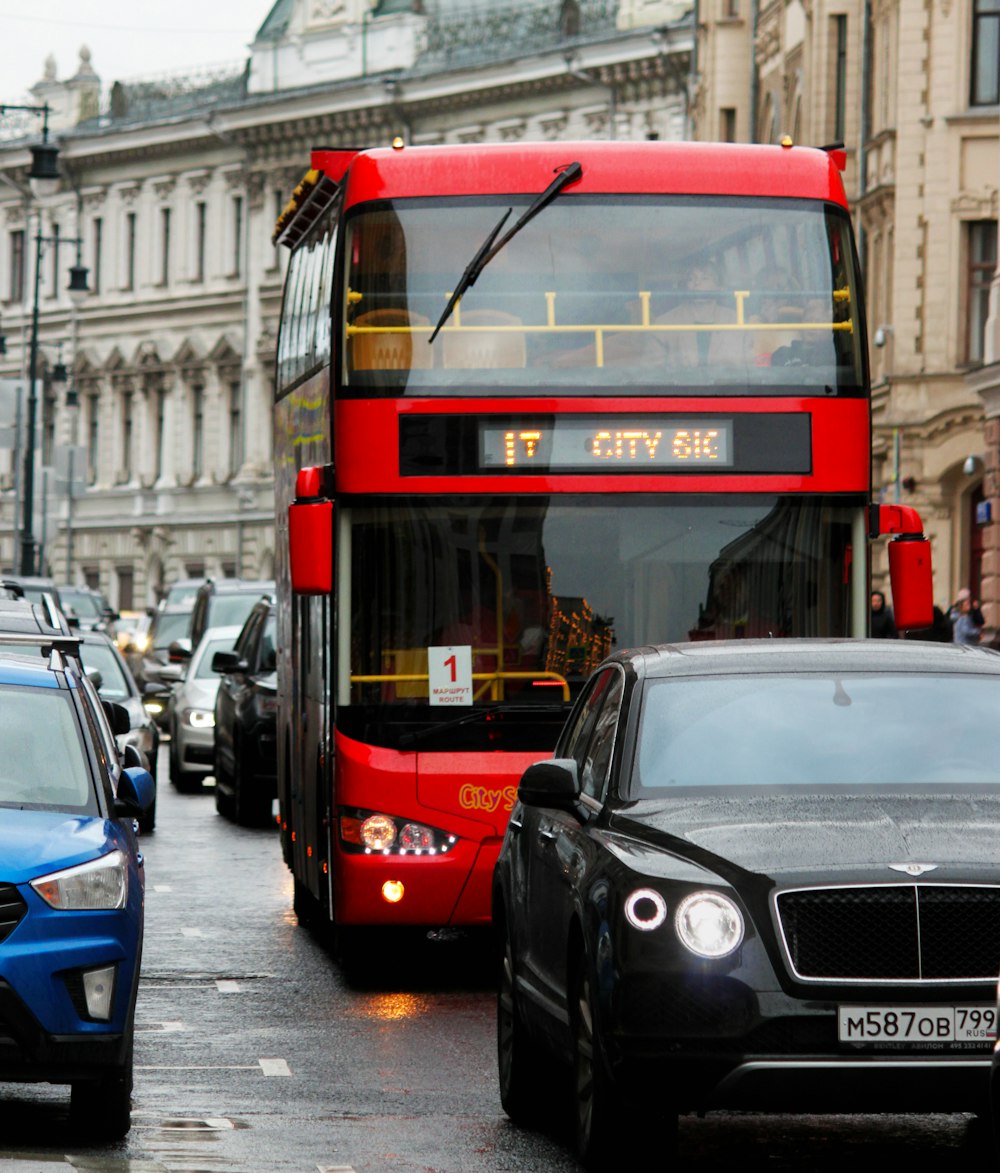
(224, 602)
(246, 705)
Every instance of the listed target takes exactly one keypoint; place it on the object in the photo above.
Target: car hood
(35, 843)
(779, 835)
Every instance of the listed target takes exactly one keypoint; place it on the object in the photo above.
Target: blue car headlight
(100, 884)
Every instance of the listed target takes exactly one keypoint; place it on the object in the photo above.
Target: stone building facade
(911, 88)
(172, 187)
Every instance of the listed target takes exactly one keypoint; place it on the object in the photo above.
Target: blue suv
(71, 884)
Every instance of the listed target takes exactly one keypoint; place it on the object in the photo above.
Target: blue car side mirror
(136, 792)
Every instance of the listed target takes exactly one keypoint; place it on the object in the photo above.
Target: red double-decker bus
(535, 402)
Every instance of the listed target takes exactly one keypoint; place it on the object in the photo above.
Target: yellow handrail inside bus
(488, 677)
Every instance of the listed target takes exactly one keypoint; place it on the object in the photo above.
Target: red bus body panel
(469, 795)
(368, 461)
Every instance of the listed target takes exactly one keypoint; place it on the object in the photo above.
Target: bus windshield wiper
(488, 250)
(480, 714)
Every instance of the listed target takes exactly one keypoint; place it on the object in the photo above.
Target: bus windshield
(625, 293)
(542, 589)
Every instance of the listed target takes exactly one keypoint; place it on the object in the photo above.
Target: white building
(170, 190)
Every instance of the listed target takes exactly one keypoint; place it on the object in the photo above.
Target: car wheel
(594, 1094)
(519, 1060)
(147, 822)
(101, 1109)
(183, 780)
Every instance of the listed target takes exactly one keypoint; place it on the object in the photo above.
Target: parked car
(33, 587)
(90, 608)
(114, 682)
(71, 887)
(192, 712)
(757, 874)
(182, 592)
(246, 706)
(224, 602)
(149, 657)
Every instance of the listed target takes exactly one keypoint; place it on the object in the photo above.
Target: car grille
(917, 932)
(12, 909)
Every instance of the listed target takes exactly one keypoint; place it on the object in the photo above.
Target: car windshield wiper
(488, 250)
(480, 714)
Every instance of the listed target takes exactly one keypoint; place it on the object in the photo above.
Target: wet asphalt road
(254, 1055)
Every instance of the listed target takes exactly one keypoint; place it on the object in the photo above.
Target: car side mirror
(132, 757)
(228, 662)
(136, 793)
(179, 651)
(118, 717)
(554, 783)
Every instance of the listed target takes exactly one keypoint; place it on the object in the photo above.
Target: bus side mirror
(310, 533)
(909, 565)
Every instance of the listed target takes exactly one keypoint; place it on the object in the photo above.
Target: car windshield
(203, 668)
(86, 606)
(844, 731)
(179, 596)
(42, 760)
(170, 626)
(231, 610)
(101, 658)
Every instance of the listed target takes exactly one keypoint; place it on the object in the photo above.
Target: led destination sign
(605, 443)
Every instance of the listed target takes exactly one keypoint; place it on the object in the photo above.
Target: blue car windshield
(43, 763)
(852, 730)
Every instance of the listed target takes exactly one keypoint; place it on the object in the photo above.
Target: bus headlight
(709, 924)
(376, 833)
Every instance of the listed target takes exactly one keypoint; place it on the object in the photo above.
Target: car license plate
(917, 1024)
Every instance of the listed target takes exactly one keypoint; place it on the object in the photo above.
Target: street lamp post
(44, 180)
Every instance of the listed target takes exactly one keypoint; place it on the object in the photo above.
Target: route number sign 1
(450, 672)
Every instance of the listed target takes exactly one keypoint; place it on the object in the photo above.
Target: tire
(249, 809)
(595, 1102)
(520, 1062)
(183, 780)
(147, 823)
(101, 1109)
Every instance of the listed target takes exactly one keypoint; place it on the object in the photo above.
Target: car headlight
(709, 924)
(100, 884)
(199, 718)
(645, 909)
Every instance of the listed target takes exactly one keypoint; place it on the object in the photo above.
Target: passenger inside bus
(704, 305)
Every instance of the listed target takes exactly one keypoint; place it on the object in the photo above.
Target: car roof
(29, 670)
(24, 616)
(230, 631)
(236, 586)
(732, 657)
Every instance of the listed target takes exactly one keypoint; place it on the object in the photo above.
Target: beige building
(911, 89)
(171, 187)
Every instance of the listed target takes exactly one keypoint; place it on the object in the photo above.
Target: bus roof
(399, 172)
(639, 167)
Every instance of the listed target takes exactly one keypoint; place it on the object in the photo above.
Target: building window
(160, 435)
(194, 569)
(15, 286)
(97, 233)
(93, 419)
(197, 431)
(54, 242)
(92, 577)
(982, 253)
(839, 78)
(727, 124)
(129, 251)
(730, 11)
(229, 570)
(235, 427)
(200, 223)
(985, 90)
(237, 267)
(126, 469)
(126, 587)
(164, 246)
